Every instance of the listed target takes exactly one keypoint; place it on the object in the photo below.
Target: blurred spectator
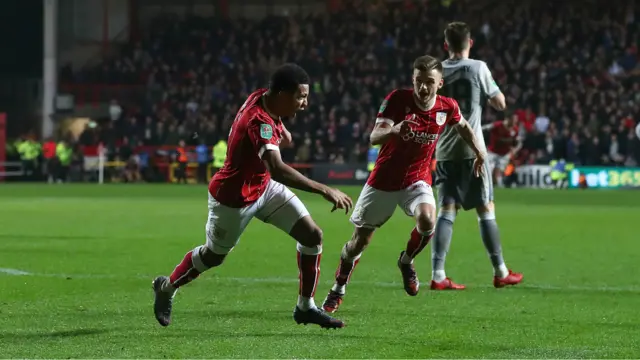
(115, 110)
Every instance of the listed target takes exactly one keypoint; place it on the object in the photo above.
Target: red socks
(418, 242)
(185, 272)
(309, 270)
(345, 269)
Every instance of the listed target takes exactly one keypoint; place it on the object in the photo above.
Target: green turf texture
(92, 251)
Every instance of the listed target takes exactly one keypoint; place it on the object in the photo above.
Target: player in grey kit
(471, 84)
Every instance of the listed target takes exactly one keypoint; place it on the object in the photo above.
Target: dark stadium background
(77, 258)
(21, 38)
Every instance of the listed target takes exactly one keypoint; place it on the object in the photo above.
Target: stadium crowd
(570, 72)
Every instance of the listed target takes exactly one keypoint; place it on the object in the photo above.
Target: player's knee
(204, 258)
(311, 242)
(360, 239)
(315, 236)
(425, 222)
(312, 237)
(307, 233)
(449, 207)
(425, 215)
(486, 208)
(362, 235)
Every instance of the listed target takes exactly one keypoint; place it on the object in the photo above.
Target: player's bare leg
(349, 258)
(309, 237)
(440, 248)
(425, 215)
(498, 176)
(497, 172)
(502, 276)
(192, 265)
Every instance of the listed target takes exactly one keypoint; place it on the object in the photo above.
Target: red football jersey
(502, 138)
(244, 178)
(405, 161)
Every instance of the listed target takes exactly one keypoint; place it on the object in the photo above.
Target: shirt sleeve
(390, 111)
(487, 83)
(454, 116)
(263, 136)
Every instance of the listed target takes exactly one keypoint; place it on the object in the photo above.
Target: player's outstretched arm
(519, 144)
(466, 132)
(488, 126)
(289, 176)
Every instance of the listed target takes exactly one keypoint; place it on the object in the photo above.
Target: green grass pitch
(77, 263)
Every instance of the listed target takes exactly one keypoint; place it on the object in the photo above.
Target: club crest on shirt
(441, 118)
(266, 132)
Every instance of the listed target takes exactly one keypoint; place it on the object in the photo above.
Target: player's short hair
(427, 63)
(288, 78)
(457, 35)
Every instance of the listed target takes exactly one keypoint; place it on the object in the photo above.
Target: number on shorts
(460, 90)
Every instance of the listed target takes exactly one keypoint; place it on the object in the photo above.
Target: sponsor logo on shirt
(420, 137)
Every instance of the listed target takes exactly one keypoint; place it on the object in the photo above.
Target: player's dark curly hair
(457, 35)
(427, 63)
(288, 78)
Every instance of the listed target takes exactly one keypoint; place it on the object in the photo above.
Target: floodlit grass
(76, 264)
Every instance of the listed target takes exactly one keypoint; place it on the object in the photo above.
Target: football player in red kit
(253, 183)
(408, 125)
(504, 143)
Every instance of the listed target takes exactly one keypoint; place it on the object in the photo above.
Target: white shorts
(499, 162)
(374, 207)
(278, 206)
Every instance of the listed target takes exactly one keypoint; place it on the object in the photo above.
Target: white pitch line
(13, 272)
(282, 280)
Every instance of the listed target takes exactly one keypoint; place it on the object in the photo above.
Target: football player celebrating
(408, 125)
(253, 183)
